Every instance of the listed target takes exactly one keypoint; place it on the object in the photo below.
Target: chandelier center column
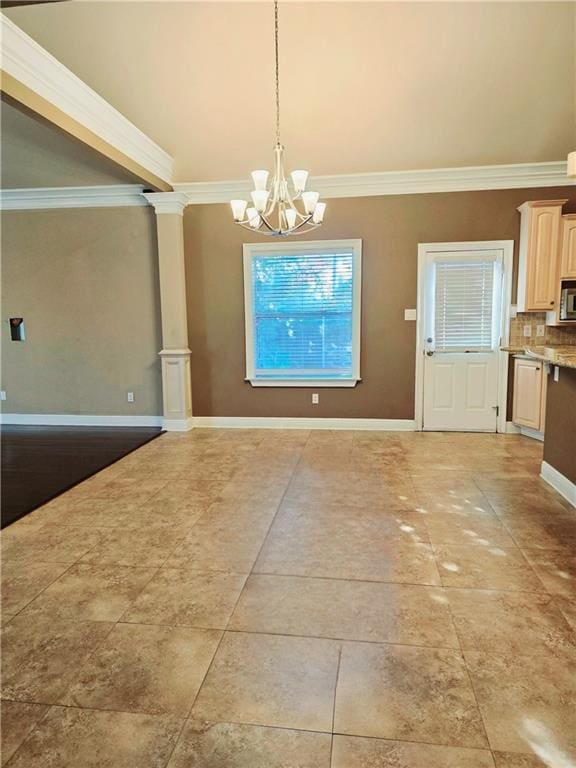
(175, 354)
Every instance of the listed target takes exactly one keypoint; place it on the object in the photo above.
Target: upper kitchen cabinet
(538, 265)
(568, 254)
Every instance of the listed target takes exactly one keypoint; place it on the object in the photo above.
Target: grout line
(340, 650)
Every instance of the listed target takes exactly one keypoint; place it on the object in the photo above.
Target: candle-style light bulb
(318, 215)
(238, 209)
(310, 199)
(260, 179)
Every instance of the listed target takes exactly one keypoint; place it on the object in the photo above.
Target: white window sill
(303, 382)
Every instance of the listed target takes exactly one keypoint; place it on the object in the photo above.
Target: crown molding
(31, 65)
(72, 197)
(484, 177)
(167, 202)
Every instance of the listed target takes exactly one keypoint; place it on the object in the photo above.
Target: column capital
(167, 202)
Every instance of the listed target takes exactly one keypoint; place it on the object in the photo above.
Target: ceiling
(365, 87)
(36, 155)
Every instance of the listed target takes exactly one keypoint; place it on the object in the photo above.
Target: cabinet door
(543, 253)
(527, 406)
(568, 263)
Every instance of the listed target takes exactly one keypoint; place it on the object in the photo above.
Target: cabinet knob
(551, 303)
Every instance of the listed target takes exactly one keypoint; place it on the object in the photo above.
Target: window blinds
(302, 315)
(464, 306)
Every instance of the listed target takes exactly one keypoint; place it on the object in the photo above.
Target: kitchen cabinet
(568, 251)
(529, 405)
(539, 253)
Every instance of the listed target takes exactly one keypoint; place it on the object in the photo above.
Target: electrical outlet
(315, 398)
(527, 330)
(3, 395)
(540, 330)
(130, 397)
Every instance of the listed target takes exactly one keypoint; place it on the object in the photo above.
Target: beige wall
(85, 281)
(391, 228)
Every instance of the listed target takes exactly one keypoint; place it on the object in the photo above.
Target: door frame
(424, 250)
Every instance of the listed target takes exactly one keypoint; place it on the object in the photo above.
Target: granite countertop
(562, 356)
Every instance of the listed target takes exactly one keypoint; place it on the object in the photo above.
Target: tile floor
(287, 599)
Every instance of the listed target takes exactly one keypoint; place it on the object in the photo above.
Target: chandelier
(274, 211)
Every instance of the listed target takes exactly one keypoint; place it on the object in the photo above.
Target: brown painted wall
(85, 281)
(560, 435)
(391, 228)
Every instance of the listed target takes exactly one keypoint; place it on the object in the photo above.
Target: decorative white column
(176, 379)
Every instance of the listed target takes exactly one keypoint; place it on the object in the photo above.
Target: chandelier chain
(277, 72)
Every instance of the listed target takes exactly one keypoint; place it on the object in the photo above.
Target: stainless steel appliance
(568, 301)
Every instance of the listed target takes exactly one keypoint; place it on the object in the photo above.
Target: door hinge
(497, 409)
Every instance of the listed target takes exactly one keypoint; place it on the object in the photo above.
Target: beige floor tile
(227, 745)
(228, 542)
(355, 752)
(526, 702)
(568, 607)
(509, 622)
(145, 548)
(76, 738)
(271, 680)
(21, 583)
(18, 720)
(355, 548)
(155, 670)
(544, 533)
(48, 543)
(352, 610)
(486, 568)
(556, 571)
(515, 760)
(182, 597)
(90, 592)
(94, 513)
(407, 693)
(40, 657)
(473, 529)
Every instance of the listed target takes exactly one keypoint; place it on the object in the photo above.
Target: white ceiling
(365, 86)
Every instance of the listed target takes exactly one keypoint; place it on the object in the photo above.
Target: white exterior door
(462, 321)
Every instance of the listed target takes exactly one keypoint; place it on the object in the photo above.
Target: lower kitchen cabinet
(529, 405)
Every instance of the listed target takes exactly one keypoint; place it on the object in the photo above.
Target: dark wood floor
(39, 463)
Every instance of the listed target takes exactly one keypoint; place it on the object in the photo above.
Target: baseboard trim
(559, 482)
(265, 422)
(511, 428)
(74, 420)
(178, 425)
(533, 433)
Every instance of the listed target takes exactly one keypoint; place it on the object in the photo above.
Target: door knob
(429, 352)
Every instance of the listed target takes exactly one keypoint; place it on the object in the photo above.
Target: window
(302, 307)
(466, 305)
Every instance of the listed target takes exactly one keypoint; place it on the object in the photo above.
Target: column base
(177, 389)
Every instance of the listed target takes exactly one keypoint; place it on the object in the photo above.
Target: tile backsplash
(552, 335)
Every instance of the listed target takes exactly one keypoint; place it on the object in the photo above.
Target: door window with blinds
(466, 314)
(302, 310)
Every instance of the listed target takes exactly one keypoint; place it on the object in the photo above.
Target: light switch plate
(3, 395)
(527, 330)
(409, 314)
(556, 373)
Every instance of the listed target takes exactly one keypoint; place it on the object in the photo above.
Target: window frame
(251, 250)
